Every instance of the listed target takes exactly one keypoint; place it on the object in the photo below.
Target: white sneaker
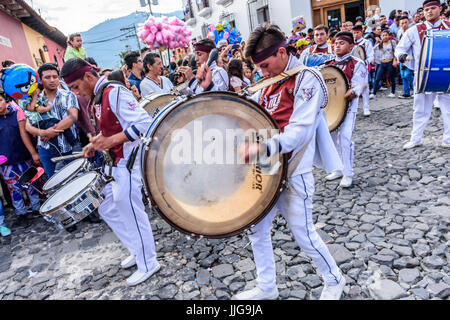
(128, 262)
(411, 145)
(445, 145)
(139, 276)
(335, 175)
(257, 294)
(391, 95)
(383, 89)
(346, 182)
(333, 292)
(367, 113)
(372, 96)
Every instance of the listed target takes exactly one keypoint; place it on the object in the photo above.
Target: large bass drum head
(193, 175)
(155, 102)
(337, 106)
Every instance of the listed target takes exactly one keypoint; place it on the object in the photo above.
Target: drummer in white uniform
(121, 121)
(220, 79)
(423, 103)
(358, 34)
(153, 81)
(296, 104)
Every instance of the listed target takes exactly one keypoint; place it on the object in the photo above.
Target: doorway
(334, 17)
(353, 10)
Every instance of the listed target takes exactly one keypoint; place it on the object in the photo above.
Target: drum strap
(268, 82)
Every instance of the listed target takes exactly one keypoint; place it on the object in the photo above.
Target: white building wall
(410, 5)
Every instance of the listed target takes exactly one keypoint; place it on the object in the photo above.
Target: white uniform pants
(423, 105)
(124, 212)
(366, 95)
(343, 140)
(295, 204)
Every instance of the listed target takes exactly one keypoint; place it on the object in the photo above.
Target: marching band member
(321, 46)
(356, 73)
(358, 34)
(153, 81)
(121, 121)
(423, 103)
(296, 105)
(220, 80)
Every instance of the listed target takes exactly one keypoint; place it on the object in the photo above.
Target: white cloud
(71, 16)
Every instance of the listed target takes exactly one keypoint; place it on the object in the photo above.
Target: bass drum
(191, 170)
(337, 84)
(360, 53)
(155, 102)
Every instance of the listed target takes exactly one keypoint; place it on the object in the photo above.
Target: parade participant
(296, 105)
(423, 103)
(153, 81)
(370, 58)
(121, 121)
(17, 151)
(356, 73)
(75, 47)
(135, 65)
(321, 48)
(219, 76)
(347, 26)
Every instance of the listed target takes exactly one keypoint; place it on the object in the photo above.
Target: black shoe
(71, 228)
(92, 218)
(22, 221)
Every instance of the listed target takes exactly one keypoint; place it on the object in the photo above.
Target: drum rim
(422, 76)
(45, 188)
(364, 51)
(69, 201)
(163, 114)
(347, 105)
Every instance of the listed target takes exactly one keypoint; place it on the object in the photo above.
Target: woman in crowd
(236, 75)
(384, 53)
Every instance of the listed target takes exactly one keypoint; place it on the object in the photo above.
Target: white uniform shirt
(311, 95)
(220, 81)
(132, 117)
(149, 86)
(410, 43)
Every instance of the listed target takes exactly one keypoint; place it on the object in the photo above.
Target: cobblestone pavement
(389, 234)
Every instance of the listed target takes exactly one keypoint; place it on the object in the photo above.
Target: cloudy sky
(71, 16)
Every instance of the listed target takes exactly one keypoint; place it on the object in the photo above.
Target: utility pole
(134, 34)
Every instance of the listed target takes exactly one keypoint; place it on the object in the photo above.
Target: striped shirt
(64, 100)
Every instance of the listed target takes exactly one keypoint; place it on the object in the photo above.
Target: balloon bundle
(164, 33)
(224, 31)
(299, 24)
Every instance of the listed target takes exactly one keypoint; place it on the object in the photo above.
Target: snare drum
(155, 102)
(433, 75)
(337, 85)
(198, 186)
(66, 174)
(75, 200)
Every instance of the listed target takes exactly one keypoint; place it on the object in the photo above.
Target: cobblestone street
(389, 233)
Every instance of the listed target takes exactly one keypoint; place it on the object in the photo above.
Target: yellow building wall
(36, 44)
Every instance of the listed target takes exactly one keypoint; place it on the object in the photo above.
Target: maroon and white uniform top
(411, 42)
(120, 112)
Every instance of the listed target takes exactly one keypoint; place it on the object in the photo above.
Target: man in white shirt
(411, 42)
(153, 81)
(407, 68)
(370, 57)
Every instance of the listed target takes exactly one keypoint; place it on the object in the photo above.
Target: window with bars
(202, 4)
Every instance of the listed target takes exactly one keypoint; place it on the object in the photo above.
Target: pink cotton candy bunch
(164, 33)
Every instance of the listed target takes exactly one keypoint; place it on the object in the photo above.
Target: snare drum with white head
(66, 174)
(155, 102)
(191, 169)
(75, 200)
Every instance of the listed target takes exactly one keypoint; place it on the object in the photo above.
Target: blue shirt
(394, 29)
(135, 81)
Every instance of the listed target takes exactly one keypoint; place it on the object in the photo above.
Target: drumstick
(69, 157)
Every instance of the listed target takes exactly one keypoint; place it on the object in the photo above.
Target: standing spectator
(377, 15)
(407, 68)
(118, 75)
(236, 75)
(153, 81)
(75, 47)
(17, 147)
(385, 51)
(65, 109)
(249, 71)
(392, 16)
(395, 27)
(135, 64)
